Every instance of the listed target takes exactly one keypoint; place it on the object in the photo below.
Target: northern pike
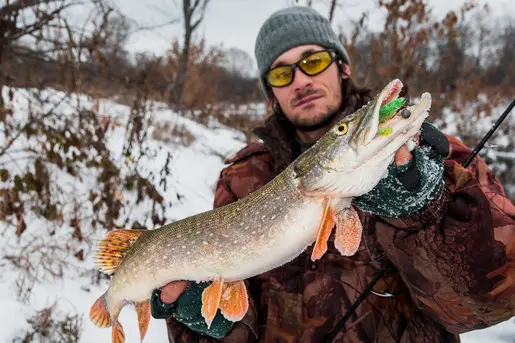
(266, 229)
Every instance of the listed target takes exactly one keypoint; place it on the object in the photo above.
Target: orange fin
(113, 248)
(234, 302)
(118, 336)
(143, 311)
(210, 300)
(347, 237)
(324, 231)
(98, 313)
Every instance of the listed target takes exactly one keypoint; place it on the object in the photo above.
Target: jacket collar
(278, 135)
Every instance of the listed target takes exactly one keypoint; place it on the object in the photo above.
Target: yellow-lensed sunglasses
(311, 65)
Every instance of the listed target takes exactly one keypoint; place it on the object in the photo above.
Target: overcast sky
(235, 23)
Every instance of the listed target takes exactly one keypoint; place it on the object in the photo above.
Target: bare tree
(38, 33)
(331, 10)
(75, 132)
(193, 13)
(15, 25)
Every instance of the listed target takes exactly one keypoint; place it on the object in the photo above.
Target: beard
(311, 123)
(311, 117)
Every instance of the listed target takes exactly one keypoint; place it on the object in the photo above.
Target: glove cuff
(429, 214)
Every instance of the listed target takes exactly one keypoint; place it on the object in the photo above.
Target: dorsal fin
(113, 248)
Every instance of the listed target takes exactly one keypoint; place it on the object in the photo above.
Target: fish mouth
(371, 126)
(368, 139)
(352, 165)
(368, 129)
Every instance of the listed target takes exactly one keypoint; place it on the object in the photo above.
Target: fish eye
(342, 129)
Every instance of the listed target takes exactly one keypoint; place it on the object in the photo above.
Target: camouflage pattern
(442, 256)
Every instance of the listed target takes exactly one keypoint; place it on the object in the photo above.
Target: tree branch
(37, 25)
(19, 5)
(331, 10)
(156, 26)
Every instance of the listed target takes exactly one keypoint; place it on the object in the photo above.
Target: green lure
(384, 131)
(387, 112)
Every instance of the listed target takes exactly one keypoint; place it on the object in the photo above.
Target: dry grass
(168, 133)
(49, 325)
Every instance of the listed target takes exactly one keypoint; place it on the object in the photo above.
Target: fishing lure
(387, 112)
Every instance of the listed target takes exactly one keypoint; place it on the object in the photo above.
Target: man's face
(309, 101)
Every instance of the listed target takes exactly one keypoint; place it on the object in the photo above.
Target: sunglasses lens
(280, 76)
(316, 63)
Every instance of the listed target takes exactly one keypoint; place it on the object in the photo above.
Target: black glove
(187, 310)
(437, 142)
(410, 187)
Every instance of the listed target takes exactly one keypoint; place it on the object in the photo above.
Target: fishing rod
(488, 134)
(369, 288)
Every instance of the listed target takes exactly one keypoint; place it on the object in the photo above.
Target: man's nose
(301, 81)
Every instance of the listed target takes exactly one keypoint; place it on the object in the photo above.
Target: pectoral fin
(347, 237)
(324, 231)
(211, 297)
(234, 302)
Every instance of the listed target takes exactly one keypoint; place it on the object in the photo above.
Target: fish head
(353, 156)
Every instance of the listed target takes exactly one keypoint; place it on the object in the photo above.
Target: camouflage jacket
(441, 257)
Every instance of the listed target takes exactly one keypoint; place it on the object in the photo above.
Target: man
(443, 230)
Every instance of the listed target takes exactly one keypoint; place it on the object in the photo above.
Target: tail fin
(118, 336)
(101, 317)
(114, 247)
(99, 314)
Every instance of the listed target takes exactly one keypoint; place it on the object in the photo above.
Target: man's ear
(345, 69)
(273, 103)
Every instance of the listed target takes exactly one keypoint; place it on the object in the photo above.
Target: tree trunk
(331, 10)
(182, 68)
(2, 43)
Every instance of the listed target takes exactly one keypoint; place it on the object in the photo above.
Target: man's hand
(163, 301)
(413, 180)
(429, 136)
(182, 300)
(172, 291)
(403, 156)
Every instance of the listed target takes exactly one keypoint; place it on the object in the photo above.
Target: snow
(474, 121)
(194, 171)
(193, 174)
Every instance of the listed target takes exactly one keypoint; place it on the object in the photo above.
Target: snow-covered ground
(194, 172)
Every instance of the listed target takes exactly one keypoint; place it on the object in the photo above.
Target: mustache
(301, 95)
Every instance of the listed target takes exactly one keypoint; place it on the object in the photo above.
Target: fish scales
(268, 228)
(222, 243)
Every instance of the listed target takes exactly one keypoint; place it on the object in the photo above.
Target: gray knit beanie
(291, 27)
